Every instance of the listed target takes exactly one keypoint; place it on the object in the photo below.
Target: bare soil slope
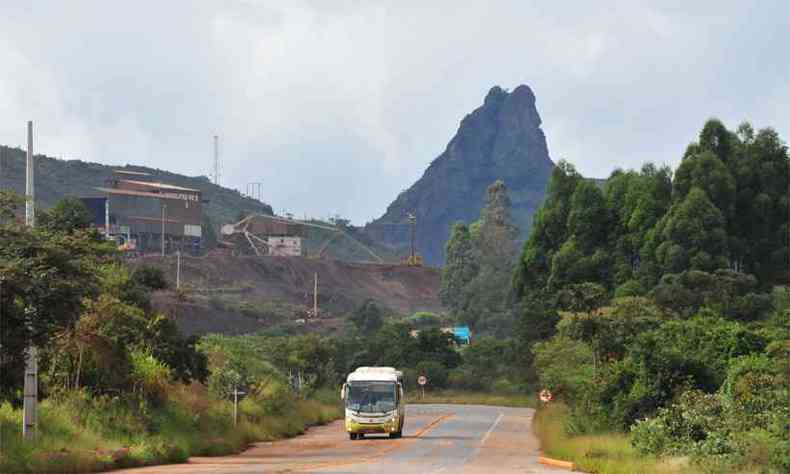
(225, 294)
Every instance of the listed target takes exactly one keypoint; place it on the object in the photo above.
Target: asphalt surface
(436, 439)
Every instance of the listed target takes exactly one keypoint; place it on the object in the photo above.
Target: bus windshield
(371, 397)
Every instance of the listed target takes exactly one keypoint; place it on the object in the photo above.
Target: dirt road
(437, 439)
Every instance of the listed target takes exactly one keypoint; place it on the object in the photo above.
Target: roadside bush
(465, 379)
(718, 434)
(565, 366)
(504, 385)
(486, 357)
(149, 375)
(651, 436)
(753, 391)
(662, 363)
(272, 395)
(150, 277)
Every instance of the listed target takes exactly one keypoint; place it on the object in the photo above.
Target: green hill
(56, 179)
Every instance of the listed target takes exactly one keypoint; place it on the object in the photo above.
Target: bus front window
(371, 397)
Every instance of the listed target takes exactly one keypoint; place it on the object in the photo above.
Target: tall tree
(760, 228)
(693, 235)
(588, 219)
(67, 215)
(476, 278)
(44, 280)
(368, 317)
(498, 234)
(460, 267)
(549, 231)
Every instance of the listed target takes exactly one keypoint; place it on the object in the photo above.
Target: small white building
(284, 246)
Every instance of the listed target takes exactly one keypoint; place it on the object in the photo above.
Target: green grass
(461, 397)
(79, 433)
(602, 453)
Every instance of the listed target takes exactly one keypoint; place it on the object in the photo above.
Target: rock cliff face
(502, 139)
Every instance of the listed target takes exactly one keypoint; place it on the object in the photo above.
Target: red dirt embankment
(341, 287)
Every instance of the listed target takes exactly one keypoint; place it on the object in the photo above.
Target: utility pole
(178, 269)
(315, 296)
(164, 209)
(413, 222)
(29, 418)
(216, 160)
(30, 188)
(107, 218)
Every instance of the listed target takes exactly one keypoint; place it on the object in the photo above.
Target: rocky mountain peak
(501, 139)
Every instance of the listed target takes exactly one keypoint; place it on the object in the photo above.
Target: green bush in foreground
(744, 423)
(84, 433)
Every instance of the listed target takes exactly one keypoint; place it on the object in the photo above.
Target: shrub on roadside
(149, 376)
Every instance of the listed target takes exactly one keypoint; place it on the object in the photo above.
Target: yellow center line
(422, 431)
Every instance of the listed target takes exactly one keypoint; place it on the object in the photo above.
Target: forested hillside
(725, 210)
(56, 179)
(658, 304)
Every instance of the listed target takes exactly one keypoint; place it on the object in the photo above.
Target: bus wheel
(352, 436)
(396, 434)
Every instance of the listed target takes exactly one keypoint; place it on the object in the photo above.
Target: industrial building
(139, 213)
(264, 236)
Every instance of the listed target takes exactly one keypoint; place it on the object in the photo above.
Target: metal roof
(129, 192)
(135, 173)
(159, 185)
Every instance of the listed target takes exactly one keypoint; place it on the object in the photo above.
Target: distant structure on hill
(264, 236)
(141, 215)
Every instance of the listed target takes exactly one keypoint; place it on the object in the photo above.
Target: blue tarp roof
(463, 333)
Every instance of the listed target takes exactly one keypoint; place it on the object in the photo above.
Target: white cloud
(338, 106)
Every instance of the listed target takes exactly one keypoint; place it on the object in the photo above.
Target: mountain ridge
(501, 139)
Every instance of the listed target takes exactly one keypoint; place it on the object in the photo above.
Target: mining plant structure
(267, 235)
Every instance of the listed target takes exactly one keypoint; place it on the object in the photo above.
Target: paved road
(437, 439)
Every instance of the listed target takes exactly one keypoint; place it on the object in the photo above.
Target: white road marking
(483, 440)
(491, 430)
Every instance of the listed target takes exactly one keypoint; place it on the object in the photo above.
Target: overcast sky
(339, 108)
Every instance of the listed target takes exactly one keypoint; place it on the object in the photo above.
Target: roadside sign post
(422, 380)
(236, 394)
(545, 396)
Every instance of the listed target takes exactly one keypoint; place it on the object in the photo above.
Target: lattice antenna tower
(216, 160)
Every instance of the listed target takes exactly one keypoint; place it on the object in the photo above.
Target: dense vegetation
(120, 386)
(655, 307)
(143, 393)
(675, 311)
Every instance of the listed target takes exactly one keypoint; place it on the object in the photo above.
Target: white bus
(374, 402)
